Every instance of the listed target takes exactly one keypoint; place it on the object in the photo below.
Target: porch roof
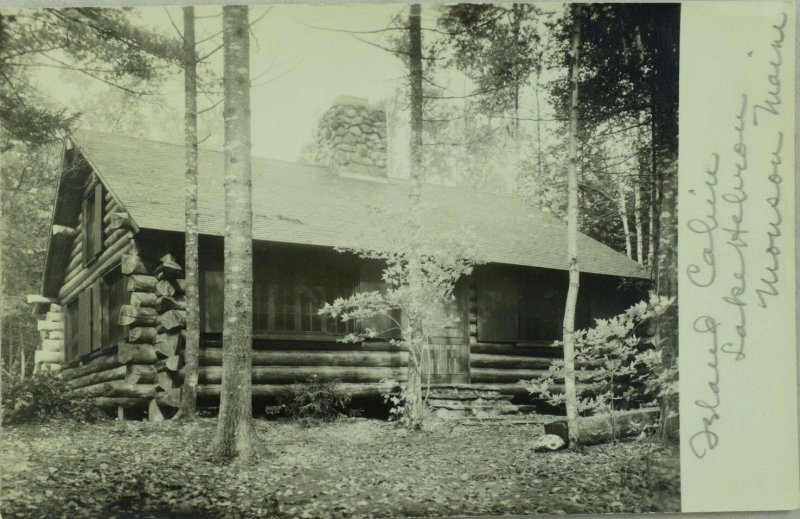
(305, 204)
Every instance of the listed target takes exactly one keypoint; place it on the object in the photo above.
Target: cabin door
(445, 362)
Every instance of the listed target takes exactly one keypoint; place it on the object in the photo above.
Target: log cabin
(111, 305)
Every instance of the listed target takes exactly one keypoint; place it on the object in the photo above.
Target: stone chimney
(351, 138)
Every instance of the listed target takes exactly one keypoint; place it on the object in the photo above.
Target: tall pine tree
(234, 436)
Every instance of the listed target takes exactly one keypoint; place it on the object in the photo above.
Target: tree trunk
(413, 402)
(607, 427)
(538, 116)
(22, 359)
(415, 74)
(235, 435)
(572, 237)
(651, 225)
(665, 161)
(623, 215)
(637, 219)
(413, 399)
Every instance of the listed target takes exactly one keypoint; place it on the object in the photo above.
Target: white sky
(302, 70)
(298, 68)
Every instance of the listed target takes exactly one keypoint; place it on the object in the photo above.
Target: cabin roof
(305, 204)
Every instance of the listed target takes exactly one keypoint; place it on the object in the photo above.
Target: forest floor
(348, 468)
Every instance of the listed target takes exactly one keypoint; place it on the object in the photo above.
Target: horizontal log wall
(50, 355)
(121, 376)
(281, 365)
(116, 242)
(133, 374)
(212, 391)
(110, 257)
(298, 374)
(504, 365)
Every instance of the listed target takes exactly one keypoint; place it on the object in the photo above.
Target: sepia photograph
(334, 261)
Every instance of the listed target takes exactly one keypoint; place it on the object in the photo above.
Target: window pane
(497, 307)
(212, 300)
(85, 321)
(87, 228)
(260, 303)
(284, 309)
(115, 297)
(71, 330)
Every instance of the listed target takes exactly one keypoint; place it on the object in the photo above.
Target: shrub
(316, 399)
(394, 393)
(41, 397)
(617, 368)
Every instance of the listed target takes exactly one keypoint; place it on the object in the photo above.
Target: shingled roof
(305, 204)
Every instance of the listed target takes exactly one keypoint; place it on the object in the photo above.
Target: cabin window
(497, 308)
(91, 318)
(71, 325)
(287, 296)
(285, 314)
(370, 280)
(540, 313)
(516, 305)
(85, 322)
(211, 292)
(114, 296)
(288, 291)
(313, 296)
(92, 224)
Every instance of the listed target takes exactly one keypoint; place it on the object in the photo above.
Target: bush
(316, 399)
(41, 397)
(394, 394)
(620, 369)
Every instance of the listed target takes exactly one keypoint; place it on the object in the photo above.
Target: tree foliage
(620, 363)
(42, 397)
(100, 43)
(420, 272)
(498, 46)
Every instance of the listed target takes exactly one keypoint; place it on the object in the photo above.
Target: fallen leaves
(349, 468)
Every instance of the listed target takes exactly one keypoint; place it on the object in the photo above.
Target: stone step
(503, 420)
(463, 414)
(468, 397)
(504, 408)
(481, 387)
(459, 411)
(466, 394)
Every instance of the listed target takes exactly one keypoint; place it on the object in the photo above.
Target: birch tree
(235, 433)
(188, 407)
(623, 216)
(572, 236)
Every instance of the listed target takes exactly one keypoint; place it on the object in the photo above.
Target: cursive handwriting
(736, 233)
(773, 98)
(775, 228)
(706, 226)
(706, 439)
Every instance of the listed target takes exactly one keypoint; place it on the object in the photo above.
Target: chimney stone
(351, 138)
